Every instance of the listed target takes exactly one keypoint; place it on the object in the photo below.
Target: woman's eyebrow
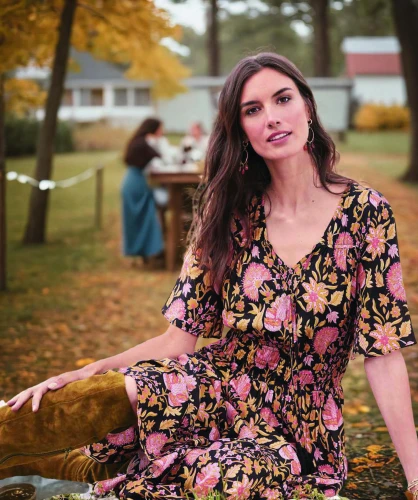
(274, 95)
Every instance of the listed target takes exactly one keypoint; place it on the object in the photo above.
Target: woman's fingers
(20, 399)
(37, 392)
(37, 396)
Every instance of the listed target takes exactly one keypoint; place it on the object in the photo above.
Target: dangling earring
(243, 165)
(310, 143)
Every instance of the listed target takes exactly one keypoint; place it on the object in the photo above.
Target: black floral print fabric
(258, 413)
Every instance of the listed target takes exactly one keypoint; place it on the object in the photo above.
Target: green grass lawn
(73, 242)
(376, 142)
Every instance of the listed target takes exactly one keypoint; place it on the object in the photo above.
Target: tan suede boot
(74, 466)
(81, 413)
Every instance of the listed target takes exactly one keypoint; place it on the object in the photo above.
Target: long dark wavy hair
(225, 191)
(148, 126)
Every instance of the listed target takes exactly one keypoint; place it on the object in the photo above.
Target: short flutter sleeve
(194, 306)
(382, 322)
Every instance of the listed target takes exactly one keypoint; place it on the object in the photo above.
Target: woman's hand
(52, 384)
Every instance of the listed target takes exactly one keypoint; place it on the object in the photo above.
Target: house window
(91, 97)
(121, 97)
(142, 97)
(67, 98)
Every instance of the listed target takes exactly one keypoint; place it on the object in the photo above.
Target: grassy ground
(76, 299)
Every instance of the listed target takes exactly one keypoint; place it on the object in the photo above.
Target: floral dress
(258, 414)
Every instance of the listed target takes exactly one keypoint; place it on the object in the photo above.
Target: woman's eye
(282, 99)
(248, 112)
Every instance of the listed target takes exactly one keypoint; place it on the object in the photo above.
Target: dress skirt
(142, 234)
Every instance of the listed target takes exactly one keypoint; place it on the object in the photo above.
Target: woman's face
(271, 104)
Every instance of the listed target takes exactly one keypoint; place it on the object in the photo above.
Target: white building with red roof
(374, 64)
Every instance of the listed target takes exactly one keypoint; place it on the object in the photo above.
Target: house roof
(91, 68)
(370, 45)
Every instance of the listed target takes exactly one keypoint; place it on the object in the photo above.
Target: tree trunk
(36, 226)
(3, 241)
(213, 39)
(405, 14)
(321, 46)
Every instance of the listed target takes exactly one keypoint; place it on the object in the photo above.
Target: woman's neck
(293, 184)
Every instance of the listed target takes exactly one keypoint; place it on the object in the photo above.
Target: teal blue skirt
(141, 228)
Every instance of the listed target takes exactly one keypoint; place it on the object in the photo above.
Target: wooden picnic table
(175, 182)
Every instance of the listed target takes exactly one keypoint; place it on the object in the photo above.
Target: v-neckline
(281, 262)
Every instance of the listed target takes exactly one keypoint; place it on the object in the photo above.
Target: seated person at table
(193, 146)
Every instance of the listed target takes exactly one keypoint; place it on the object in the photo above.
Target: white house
(99, 91)
(374, 64)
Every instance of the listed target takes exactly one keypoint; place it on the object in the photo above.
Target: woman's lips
(280, 138)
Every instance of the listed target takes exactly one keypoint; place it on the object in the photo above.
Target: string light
(49, 184)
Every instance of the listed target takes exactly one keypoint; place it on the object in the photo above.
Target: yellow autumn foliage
(381, 117)
(126, 32)
(23, 96)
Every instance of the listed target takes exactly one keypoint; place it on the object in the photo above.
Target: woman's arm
(388, 378)
(170, 344)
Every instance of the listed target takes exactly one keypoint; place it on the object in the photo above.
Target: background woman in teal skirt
(142, 234)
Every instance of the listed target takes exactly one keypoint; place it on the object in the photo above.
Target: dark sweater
(139, 153)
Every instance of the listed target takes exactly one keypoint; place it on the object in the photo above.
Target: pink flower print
(395, 283)
(178, 387)
(318, 454)
(103, 487)
(344, 220)
(332, 317)
(279, 311)
(214, 434)
(249, 431)
(361, 276)
(386, 338)
(268, 416)
(269, 396)
(376, 241)
(177, 310)
(270, 494)
(255, 251)
(289, 453)
(155, 442)
(326, 469)
(215, 390)
(324, 337)
(393, 250)
(193, 455)
(121, 438)
(267, 356)
(231, 412)
(186, 289)
(254, 277)
(162, 464)
(228, 318)
(242, 386)
(183, 359)
(332, 415)
(316, 296)
(343, 243)
(241, 489)
(374, 198)
(329, 493)
(207, 479)
(306, 377)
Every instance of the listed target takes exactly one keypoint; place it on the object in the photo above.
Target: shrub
(381, 117)
(22, 136)
(100, 136)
